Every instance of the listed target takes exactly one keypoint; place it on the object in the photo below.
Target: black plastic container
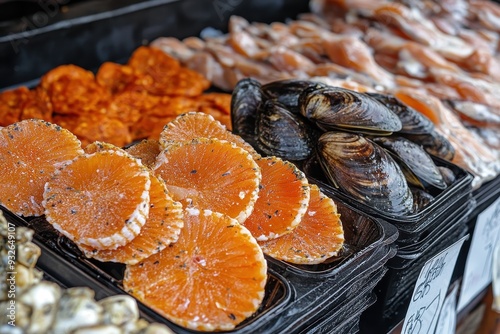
(296, 295)
(88, 33)
(346, 319)
(396, 288)
(343, 319)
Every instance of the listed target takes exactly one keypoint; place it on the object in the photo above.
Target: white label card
(477, 273)
(447, 323)
(430, 291)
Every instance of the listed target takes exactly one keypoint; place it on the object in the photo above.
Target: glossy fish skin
(283, 133)
(365, 171)
(245, 100)
(334, 108)
(287, 92)
(418, 167)
(434, 143)
(413, 122)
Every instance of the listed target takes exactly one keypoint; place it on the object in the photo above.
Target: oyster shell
(119, 310)
(416, 164)
(77, 309)
(245, 100)
(98, 329)
(42, 300)
(284, 134)
(334, 108)
(412, 121)
(365, 171)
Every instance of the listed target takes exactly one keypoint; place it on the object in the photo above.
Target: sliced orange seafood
(319, 235)
(30, 152)
(283, 199)
(146, 150)
(193, 125)
(99, 146)
(100, 200)
(210, 174)
(162, 228)
(211, 279)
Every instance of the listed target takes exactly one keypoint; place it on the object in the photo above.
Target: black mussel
(283, 133)
(287, 92)
(334, 108)
(434, 143)
(448, 175)
(421, 199)
(312, 167)
(413, 122)
(245, 100)
(417, 165)
(365, 171)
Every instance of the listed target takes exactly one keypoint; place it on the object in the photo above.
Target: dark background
(38, 35)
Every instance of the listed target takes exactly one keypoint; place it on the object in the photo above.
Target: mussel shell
(365, 171)
(245, 100)
(434, 143)
(287, 92)
(417, 165)
(334, 108)
(421, 199)
(448, 175)
(283, 133)
(312, 167)
(413, 122)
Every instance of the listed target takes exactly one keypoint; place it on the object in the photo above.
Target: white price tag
(430, 291)
(477, 273)
(447, 323)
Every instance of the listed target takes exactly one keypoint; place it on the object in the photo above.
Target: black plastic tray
(395, 289)
(343, 319)
(91, 32)
(295, 295)
(451, 223)
(405, 268)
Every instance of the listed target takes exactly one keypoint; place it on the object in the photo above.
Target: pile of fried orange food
(120, 103)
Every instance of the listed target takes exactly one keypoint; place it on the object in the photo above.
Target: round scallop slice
(162, 228)
(211, 279)
(210, 174)
(319, 235)
(283, 199)
(193, 125)
(100, 200)
(30, 152)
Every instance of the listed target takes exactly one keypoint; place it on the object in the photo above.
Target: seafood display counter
(375, 103)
